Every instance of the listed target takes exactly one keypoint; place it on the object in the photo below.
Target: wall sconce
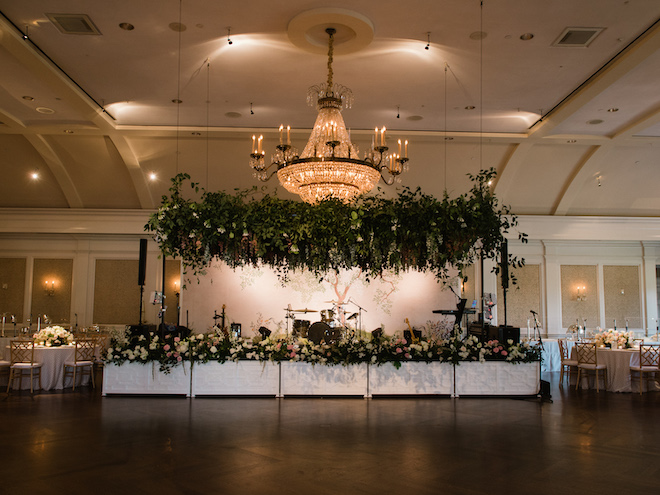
(623, 292)
(581, 296)
(49, 287)
(176, 288)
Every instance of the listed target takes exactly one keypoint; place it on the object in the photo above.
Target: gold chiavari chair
(567, 364)
(83, 362)
(587, 359)
(22, 360)
(649, 364)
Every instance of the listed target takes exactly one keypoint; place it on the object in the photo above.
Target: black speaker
(508, 333)
(142, 269)
(504, 264)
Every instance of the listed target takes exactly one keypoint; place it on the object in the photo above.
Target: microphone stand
(544, 395)
(360, 309)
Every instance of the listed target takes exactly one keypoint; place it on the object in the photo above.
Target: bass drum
(317, 332)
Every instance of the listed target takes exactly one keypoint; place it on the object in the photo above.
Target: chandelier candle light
(329, 166)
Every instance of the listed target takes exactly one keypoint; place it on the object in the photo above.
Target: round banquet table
(52, 361)
(618, 362)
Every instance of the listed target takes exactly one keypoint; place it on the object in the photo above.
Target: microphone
(533, 312)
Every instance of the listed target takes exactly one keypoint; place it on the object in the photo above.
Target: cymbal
(305, 310)
(330, 302)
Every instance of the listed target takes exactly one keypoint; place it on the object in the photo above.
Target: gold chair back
(85, 350)
(563, 349)
(586, 353)
(21, 351)
(649, 355)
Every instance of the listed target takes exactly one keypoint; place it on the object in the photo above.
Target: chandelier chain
(330, 32)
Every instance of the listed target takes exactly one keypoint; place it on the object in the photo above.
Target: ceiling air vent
(577, 37)
(73, 23)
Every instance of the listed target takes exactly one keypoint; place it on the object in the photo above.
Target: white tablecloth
(618, 362)
(52, 369)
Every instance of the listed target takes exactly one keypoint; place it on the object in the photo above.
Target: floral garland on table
(610, 337)
(54, 336)
(375, 234)
(217, 347)
(169, 351)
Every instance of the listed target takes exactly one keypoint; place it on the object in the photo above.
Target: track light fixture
(428, 41)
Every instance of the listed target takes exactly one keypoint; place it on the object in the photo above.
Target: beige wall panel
(116, 292)
(56, 301)
(622, 300)
(12, 289)
(572, 310)
(522, 297)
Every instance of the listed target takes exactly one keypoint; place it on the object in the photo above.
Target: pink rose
(398, 350)
(177, 339)
(504, 353)
(497, 349)
(166, 347)
(407, 355)
(292, 354)
(169, 354)
(289, 347)
(403, 341)
(179, 358)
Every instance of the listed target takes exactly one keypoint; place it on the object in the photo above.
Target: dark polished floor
(583, 442)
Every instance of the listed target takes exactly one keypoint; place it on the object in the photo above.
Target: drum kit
(333, 326)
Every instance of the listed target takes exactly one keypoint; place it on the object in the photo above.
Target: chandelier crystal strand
(329, 165)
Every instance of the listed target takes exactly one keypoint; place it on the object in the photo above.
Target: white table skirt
(618, 362)
(52, 361)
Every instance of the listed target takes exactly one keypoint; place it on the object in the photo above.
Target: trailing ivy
(411, 231)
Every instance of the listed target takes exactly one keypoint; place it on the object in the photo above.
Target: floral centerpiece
(53, 336)
(611, 337)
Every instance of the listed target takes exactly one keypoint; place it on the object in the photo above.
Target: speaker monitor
(142, 269)
(504, 264)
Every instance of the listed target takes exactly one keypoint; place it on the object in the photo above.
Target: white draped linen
(551, 355)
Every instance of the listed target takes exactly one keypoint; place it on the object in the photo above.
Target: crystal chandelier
(329, 166)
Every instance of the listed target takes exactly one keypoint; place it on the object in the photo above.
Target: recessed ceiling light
(178, 27)
(68, 131)
(612, 110)
(196, 133)
(470, 107)
(45, 110)
(526, 36)
(478, 35)
(34, 175)
(153, 176)
(233, 115)
(571, 141)
(177, 101)
(595, 121)
(28, 98)
(127, 26)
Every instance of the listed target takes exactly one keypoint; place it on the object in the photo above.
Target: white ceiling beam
(54, 162)
(132, 164)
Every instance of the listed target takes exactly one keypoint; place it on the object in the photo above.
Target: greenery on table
(170, 351)
(411, 231)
